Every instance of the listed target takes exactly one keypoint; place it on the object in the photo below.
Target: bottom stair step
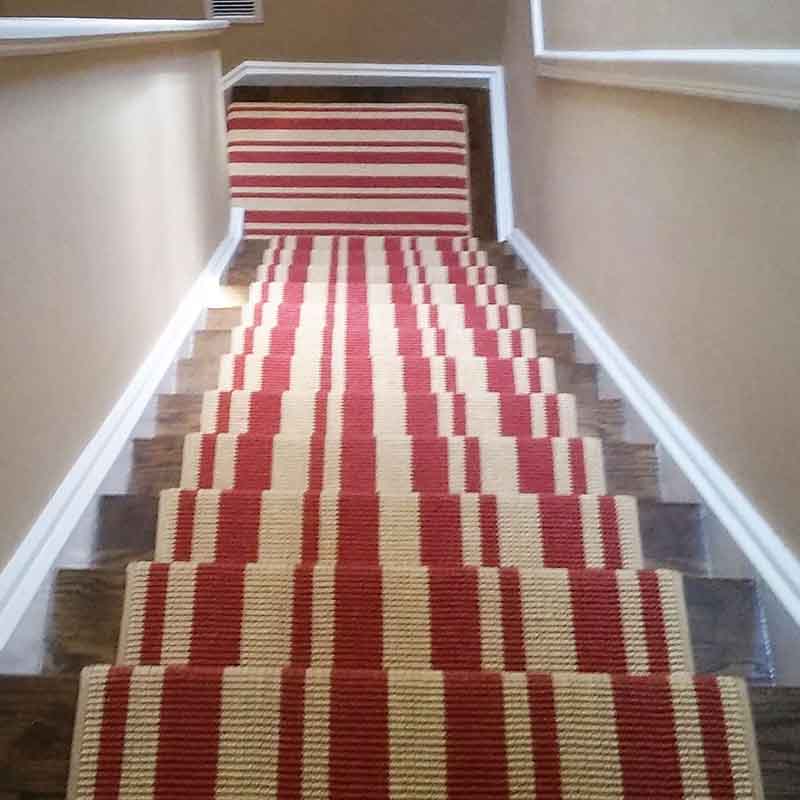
(252, 733)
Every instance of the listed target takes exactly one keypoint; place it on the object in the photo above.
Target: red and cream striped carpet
(392, 569)
(393, 169)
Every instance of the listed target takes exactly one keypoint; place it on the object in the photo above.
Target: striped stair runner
(391, 568)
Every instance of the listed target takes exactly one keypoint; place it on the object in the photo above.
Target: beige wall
(675, 220)
(430, 31)
(632, 24)
(114, 196)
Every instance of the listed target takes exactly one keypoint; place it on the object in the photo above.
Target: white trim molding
(776, 564)
(22, 36)
(483, 76)
(37, 554)
(756, 76)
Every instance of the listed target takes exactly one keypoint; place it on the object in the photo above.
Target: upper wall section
(416, 31)
(667, 24)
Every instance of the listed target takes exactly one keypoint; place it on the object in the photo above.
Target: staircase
(389, 541)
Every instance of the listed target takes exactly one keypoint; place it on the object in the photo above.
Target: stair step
(87, 610)
(216, 343)
(671, 533)
(181, 414)
(398, 719)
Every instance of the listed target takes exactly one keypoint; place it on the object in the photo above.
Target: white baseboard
(774, 562)
(35, 557)
(483, 76)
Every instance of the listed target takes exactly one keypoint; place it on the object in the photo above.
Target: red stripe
(597, 621)
(359, 528)
(609, 525)
(500, 375)
(290, 735)
(421, 415)
(223, 412)
(379, 107)
(358, 619)
(459, 415)
(218, 610)
(647, 744)
(253, 231)
(116, 695)
(184, 526)
(238, 371)
(302, 603)
(208, 447)
(345, 157)
(238, 522)
(513, 633)
(490, 540)
(359, 736)
(253, 465)
(516, 418)
(552, 415)
(655, 630)
(440, 529)
(715, 737)
(287, 216)
(358, 465)
(265, 413)
(350, 195)
(188, 743)
(429, 466)
(342, 124)
(455, 619)
(476, 748)
(577, 466)
(154, 612)
(472, 464)
(352, 182)
(562, 526)
(544, 736)
(536, 470)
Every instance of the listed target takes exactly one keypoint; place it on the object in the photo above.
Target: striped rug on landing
(362, 169)
(394, 568)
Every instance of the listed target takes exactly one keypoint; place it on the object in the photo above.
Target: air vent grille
(236, 10)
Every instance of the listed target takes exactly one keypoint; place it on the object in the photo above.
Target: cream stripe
(316, 737)
(549, 646)
(244, 739)
(250, 227)
(237, 340)
(323, 616)
(491, 617)
(406, 619)
(399, 535)
(267, 618)
(289, 203)
(568, 414)
(290, 459)
(471, 530)
(238, 168)
(547, 375)
(280, 528)
(179, 610)
(209, 412)
(240, 412)
(629, 534)
(85, 748)
(456, 465)
(206, 525)
(520, 515)
(632, 620)
(519, 747)
(190, 463)
(562, 473)
(593, 458)
(588, 771)
(166, 525)
(328, 528)
(742, 744)
(676, 619)
(688, 737)
(538, 415)
(444, 414)
(298, 413)
(394, 471)
(499, 465)
(335, 414)
(590, 530)
(521, 372)
(225, 461)
(140, 752)
(417, 751)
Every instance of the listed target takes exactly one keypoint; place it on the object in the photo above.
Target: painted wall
(114, 196)
(427, 31)
(632, 24)
(675, 220)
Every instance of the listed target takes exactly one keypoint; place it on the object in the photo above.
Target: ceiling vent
(236, 10)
